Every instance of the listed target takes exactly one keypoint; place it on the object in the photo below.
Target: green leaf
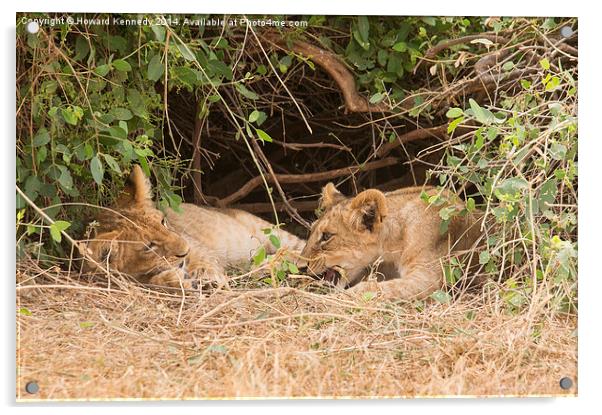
(82, 48)
(65, 179)
(525, 84)
(41, 138)
(118, 132)
(545, 64)
(470, 204)
(363, 26)
(441, 297)
(429, 20)
(70, 115)
(484, 257)
(376, 98)
(400, 47)
(246, 92)
(547, 194)
(382, 57)
(24, 311)
(259, 256)
(482, 115)
(185, 51)
(186, 75)
(368, 296)
(507, 66)
(512, 186)
(155, 69)
(454, 124)
(275, 241)
(56, 228)
(220, 68)
(112, 163)
(293, 268)
(122, 65)
(254, 116)
(97, 169)
(123, 114)
(447, 212)
(102, 70)
(444, 226)
(86, 324)
(159, 32)
(263, 136)
(558, 151)
(454, 112)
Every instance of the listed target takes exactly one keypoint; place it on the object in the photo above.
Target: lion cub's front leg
(416, 283)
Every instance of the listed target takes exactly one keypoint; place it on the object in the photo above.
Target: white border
(590, 154)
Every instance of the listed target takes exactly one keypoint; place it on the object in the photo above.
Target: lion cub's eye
(164, 222)
(151, 246)
(326, 236)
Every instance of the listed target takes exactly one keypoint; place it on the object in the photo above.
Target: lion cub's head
(132, 236)
(345, 239)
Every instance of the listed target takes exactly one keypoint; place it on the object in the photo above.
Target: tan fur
(187, 249)
(397, 229)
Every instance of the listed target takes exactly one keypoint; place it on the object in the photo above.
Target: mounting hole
(32, 27)
(566, 31)
(566, 383)
(32, 387)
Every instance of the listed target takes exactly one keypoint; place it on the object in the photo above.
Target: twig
(274, 179)
(301, 146)
(305, 206)
(196, 156)
(439, 132)
(275, 72)
(432, 52)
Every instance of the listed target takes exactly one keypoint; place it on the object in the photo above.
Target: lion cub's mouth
(333, 275)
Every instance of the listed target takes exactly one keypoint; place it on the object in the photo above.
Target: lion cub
(397, 228)
(187, 249)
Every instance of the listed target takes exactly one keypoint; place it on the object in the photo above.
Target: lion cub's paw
(208, 276)
(175, 278)
(364, 291)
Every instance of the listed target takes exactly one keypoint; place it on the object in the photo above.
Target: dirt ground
(81, 341)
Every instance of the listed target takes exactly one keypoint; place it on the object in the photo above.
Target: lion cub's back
(233, 235)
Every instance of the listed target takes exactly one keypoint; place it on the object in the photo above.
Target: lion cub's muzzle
(318, 270)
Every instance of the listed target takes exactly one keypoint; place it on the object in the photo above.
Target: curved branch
(302, 178)
(331, 63)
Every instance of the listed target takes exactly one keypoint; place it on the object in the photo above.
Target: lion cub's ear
(137, 190)
(369, 208)
(330, 197)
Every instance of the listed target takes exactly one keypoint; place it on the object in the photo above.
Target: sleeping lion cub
(398, 228)
(187, 249)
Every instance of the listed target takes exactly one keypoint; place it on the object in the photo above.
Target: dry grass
(80, 341)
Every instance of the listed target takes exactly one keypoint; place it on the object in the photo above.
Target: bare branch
(302, 178)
